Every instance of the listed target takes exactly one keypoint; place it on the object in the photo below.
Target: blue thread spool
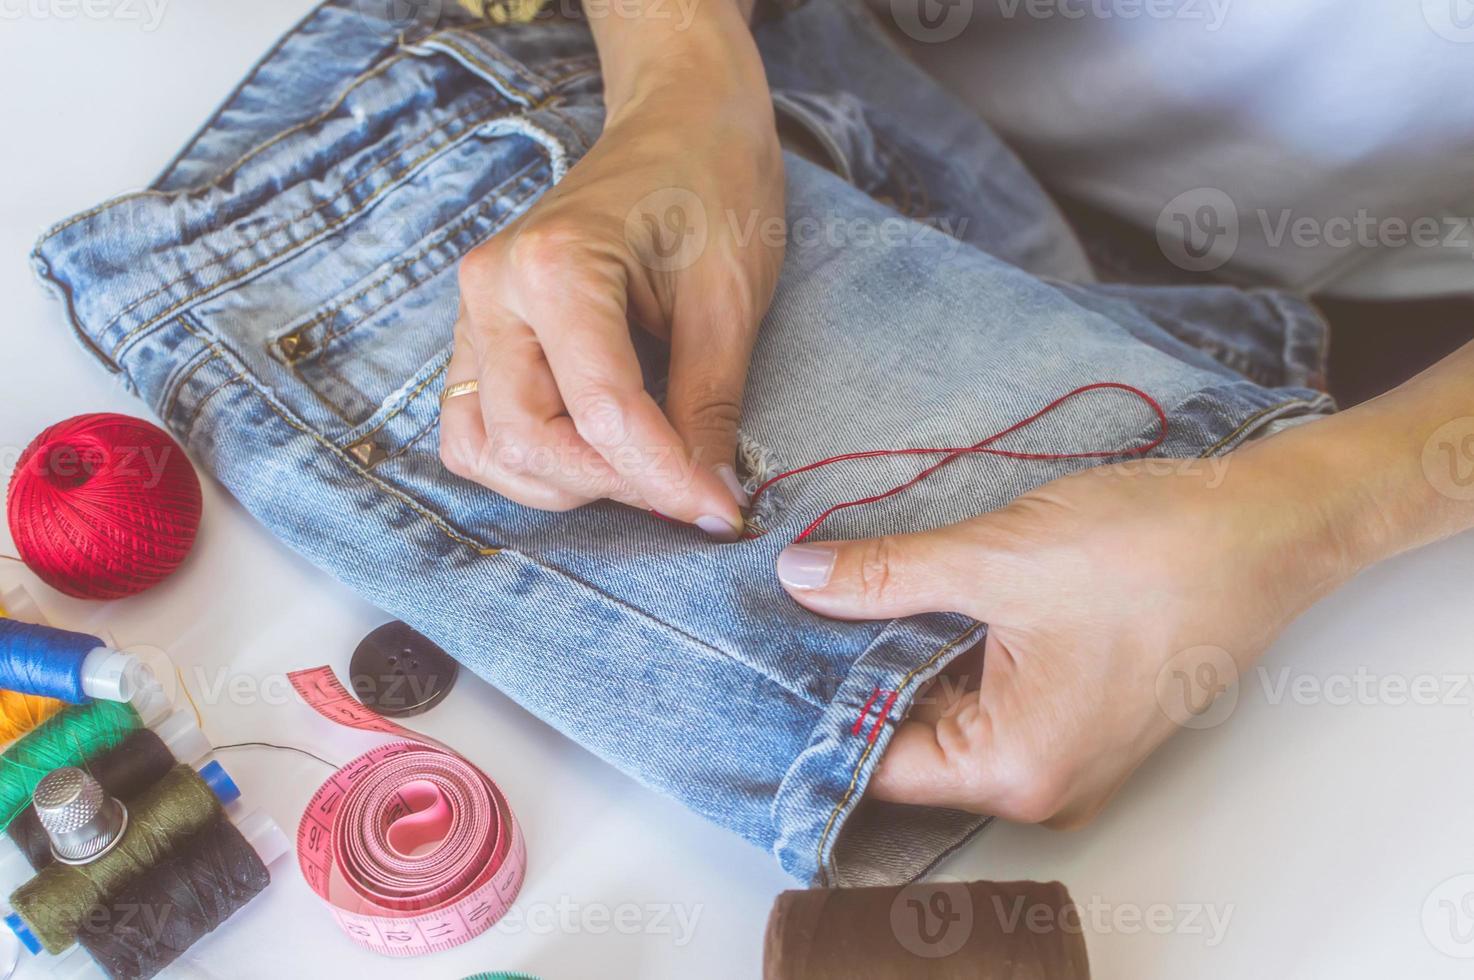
(71, 667)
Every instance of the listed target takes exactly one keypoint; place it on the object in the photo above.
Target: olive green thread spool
(69, 738)
(56, 902)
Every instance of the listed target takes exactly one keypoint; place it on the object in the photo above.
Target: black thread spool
(154, 919)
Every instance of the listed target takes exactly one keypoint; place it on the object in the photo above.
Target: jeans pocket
(387, 274)
(357, 348)
(839, 123)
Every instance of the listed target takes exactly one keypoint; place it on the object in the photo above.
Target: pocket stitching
(444, 235)
(200, 333)
(440, 523)
(176, 390)
(288, 222)
(409, 400)
(107, 205)
(321, 233)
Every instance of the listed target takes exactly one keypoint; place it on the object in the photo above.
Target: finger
(462, 431)
(533, 453)
(969, 758)
(946, 760)
(585, 334)
(943, 693)
(711, 347)
(961, 568)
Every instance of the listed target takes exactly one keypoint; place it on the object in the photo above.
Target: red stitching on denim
(885, 712)
(865, 713)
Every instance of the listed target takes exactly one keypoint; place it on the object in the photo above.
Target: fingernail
(718, 528)
(806, 566)
(729, 477)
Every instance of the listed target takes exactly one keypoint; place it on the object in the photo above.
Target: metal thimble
(82, 821)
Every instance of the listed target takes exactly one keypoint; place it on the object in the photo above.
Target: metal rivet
(294, 347)
(367, 452)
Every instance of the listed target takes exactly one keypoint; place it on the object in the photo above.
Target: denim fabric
(283, 298)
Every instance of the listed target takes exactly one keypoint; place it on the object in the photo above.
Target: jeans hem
(817, 804)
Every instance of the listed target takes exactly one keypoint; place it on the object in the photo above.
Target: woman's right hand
(673, 224)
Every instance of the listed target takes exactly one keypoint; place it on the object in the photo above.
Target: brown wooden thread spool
(946, 930)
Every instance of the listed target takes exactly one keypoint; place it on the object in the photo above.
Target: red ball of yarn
(104, 506)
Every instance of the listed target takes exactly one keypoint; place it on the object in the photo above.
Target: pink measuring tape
(413, 848)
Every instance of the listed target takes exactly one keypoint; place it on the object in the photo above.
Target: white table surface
(1322, 830)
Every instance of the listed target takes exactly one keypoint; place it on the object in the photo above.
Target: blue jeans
(283, 298)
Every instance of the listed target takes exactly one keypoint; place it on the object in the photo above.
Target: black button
(398, 672)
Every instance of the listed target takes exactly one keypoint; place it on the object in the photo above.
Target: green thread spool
(69, 738)
(57, 902)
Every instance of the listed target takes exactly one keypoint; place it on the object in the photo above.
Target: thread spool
(67, 739)
(183, 898)
(20, 713)
(124, 771)
(951, 930)
(104, 506)
(71, 667)
(51, 907)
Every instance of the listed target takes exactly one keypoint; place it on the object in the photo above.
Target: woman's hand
(659, 226)
(1120, 600)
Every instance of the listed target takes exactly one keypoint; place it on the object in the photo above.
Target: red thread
(885, 712)
(104, 506)
(955, 453)
(864, 713)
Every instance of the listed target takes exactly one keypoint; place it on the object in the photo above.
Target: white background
(1321, 830)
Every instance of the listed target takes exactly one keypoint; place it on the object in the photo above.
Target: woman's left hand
(1121, 601)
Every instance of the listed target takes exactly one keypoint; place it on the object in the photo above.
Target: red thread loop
(984, 447)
